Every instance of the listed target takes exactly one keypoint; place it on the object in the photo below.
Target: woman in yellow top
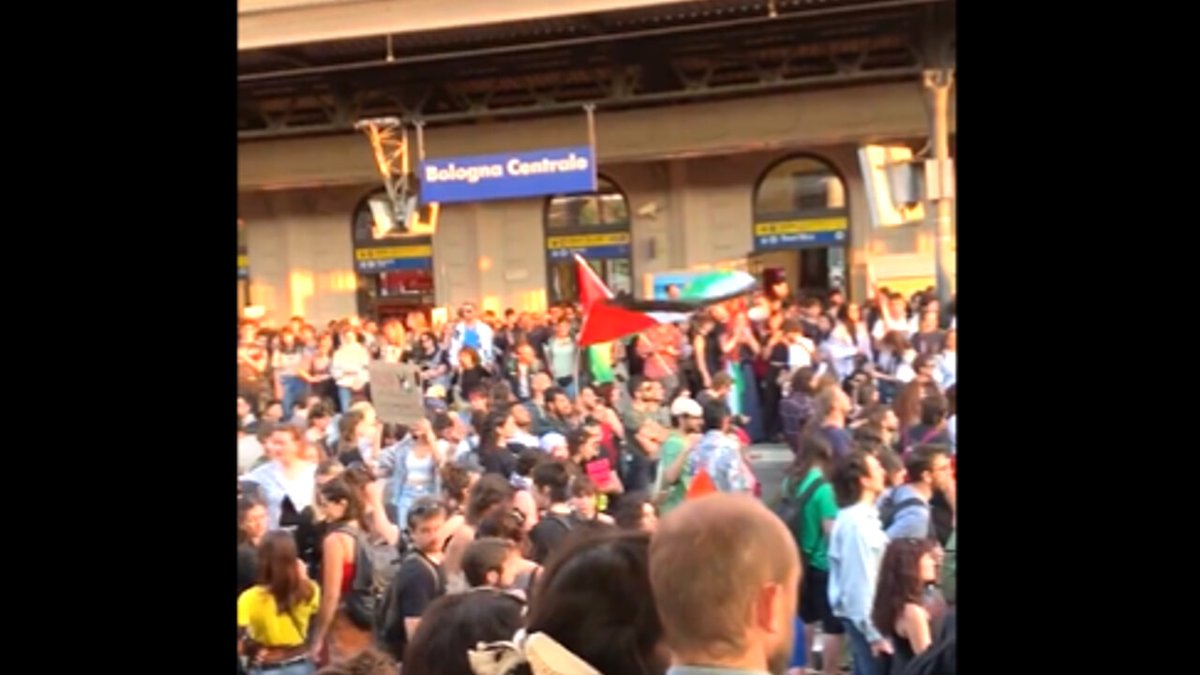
(273, 616)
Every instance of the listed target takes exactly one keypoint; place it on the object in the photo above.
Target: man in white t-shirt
(895, 318)
(471, 332)
(286, 483)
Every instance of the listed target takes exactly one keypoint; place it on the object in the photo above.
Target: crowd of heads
(541, 495)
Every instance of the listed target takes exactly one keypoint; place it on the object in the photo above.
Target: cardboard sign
(396, 392)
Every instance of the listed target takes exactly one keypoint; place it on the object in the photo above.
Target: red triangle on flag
(591, 287)
(605, 322)
(702, 484)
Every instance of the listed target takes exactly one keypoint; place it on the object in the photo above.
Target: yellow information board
(801, 226)
(588, 240)
(394, 252)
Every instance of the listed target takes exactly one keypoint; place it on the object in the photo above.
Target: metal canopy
(725, 49)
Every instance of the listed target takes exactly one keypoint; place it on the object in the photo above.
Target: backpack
(391, 635)
(791, 508)
(372, 569)
(890, 508)
(910, 446)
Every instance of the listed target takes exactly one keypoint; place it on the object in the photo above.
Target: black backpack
(791, 509)
(362, 602)
(391, 635)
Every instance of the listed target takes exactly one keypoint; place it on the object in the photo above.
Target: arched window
(801, 223)
(596, 226)
(798, 187)
(394, 268)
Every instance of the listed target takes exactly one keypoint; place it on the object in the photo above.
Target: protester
(454, 627)
(414, 466)
(274, 614)
(349, 369)
(906, 513)
(807, 483)
(577, 439)
(490, 494)
(594, 605)
(724, 547)
(674, 457)
(636, 511)
(717, 452)
(285, 482)
(491, 562)
(252, 525)
(899, 613)
(551, 482)
(796, 409)
(856, 547)
(420, 579)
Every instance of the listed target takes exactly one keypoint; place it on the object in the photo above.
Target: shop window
(393, 267)
(801, 224)
(597, 227)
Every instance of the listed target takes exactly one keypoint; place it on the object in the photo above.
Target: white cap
(552, 440)
(684, 406)
(435, 391)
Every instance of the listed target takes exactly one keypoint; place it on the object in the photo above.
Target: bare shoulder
(914, 612)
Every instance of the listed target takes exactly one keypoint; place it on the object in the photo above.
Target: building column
(939, 183)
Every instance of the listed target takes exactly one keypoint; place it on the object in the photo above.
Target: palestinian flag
(710, 288)
(604, 319)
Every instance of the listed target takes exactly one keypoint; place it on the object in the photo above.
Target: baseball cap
(686, 407)
(552, 440)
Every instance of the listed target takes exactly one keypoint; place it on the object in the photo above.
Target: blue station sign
(537, 173)
(416, 256)
(805, 233)
(590, 246)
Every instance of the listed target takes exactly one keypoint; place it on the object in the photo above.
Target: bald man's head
(725, 574)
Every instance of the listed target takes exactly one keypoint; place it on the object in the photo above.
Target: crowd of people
(515, 527)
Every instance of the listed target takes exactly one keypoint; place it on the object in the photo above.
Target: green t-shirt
(669, 451)
(822, 506)
(600, 360)
(950, 570)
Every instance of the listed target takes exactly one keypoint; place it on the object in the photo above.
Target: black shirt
(499, 461)
(549, 534)
(839, 440)
(417, 583)
(247, 566)
(310, 534)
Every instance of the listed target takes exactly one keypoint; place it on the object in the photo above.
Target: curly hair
(456, 480)
(899, 581)
(595, 599)
(370, 662)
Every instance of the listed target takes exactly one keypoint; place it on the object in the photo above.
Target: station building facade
(753, 182)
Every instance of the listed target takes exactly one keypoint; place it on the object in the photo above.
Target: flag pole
(578, 349)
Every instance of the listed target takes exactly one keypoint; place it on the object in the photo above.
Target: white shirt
(904, 371)
(276, 487)
(350, 366)
(799, 355)
(883, 327)
(249, 450)
(946, 369)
